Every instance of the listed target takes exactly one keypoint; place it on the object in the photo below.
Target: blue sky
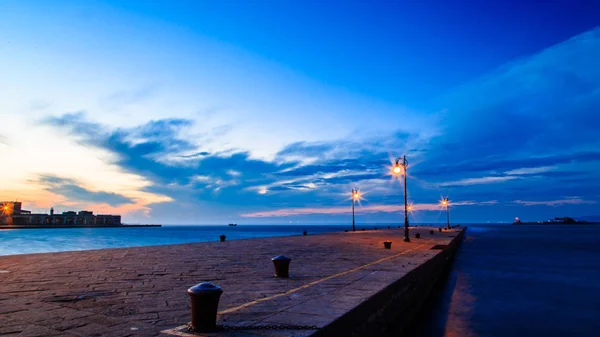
(271, 111)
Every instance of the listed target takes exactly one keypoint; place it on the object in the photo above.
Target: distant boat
(232, 224)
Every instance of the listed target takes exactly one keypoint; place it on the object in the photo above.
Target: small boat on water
(232, 224)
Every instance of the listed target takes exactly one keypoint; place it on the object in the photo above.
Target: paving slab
(141, 291)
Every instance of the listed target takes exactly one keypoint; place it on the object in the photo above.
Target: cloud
(554, 203)
(531, 170)
(477, 181)
(196, 155)
(148, 150)
(535, 112)
(506, 164)
(71, 190)
(359, 210)
(306, 149)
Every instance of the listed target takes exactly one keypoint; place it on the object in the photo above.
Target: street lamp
(446, 203)
(399, 168)
(355, 198)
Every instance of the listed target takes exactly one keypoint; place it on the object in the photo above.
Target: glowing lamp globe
(397, 170)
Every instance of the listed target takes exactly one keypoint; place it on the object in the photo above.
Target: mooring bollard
(204, 299)
(389, 227)
(345, 231)
(418, 235)
(387, 244)
(440, 229)
(282, 266)
(304, 233)
(431, 232)
(222, 237)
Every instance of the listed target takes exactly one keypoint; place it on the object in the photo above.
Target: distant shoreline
(71, 226)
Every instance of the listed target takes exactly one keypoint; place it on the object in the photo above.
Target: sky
(210, 112)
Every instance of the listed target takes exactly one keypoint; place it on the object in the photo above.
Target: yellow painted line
(289, 292)
(177, 331)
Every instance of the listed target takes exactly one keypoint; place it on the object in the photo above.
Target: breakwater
(340, 284)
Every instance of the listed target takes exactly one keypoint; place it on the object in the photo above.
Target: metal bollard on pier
(204, 299)
(282, 266)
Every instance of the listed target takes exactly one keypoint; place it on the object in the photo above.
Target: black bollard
(204, 299)
(304, 233)
(440, 229)
(362, 229)
(418, 235)
(222, 237)
(345, 231)
(282, 266)
(387, 244)
(431, 232)
(389, 227)
(375, 228)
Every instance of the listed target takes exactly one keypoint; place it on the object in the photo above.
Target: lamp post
(400, 167)
(355, 197)
(446, 203)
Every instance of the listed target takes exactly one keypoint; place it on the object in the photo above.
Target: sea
(529, 280)
(28, 241)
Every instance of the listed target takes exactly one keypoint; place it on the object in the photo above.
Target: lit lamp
(400, 168)
(355, 198)
(446, 203)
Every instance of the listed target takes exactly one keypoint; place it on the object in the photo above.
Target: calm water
(521, 281)
(26, 241)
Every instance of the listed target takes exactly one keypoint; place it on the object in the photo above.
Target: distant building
(8, 209)
(13, 214)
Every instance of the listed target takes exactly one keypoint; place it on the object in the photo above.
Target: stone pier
(341, 284)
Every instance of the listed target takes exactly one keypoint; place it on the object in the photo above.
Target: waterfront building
(12, 214)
